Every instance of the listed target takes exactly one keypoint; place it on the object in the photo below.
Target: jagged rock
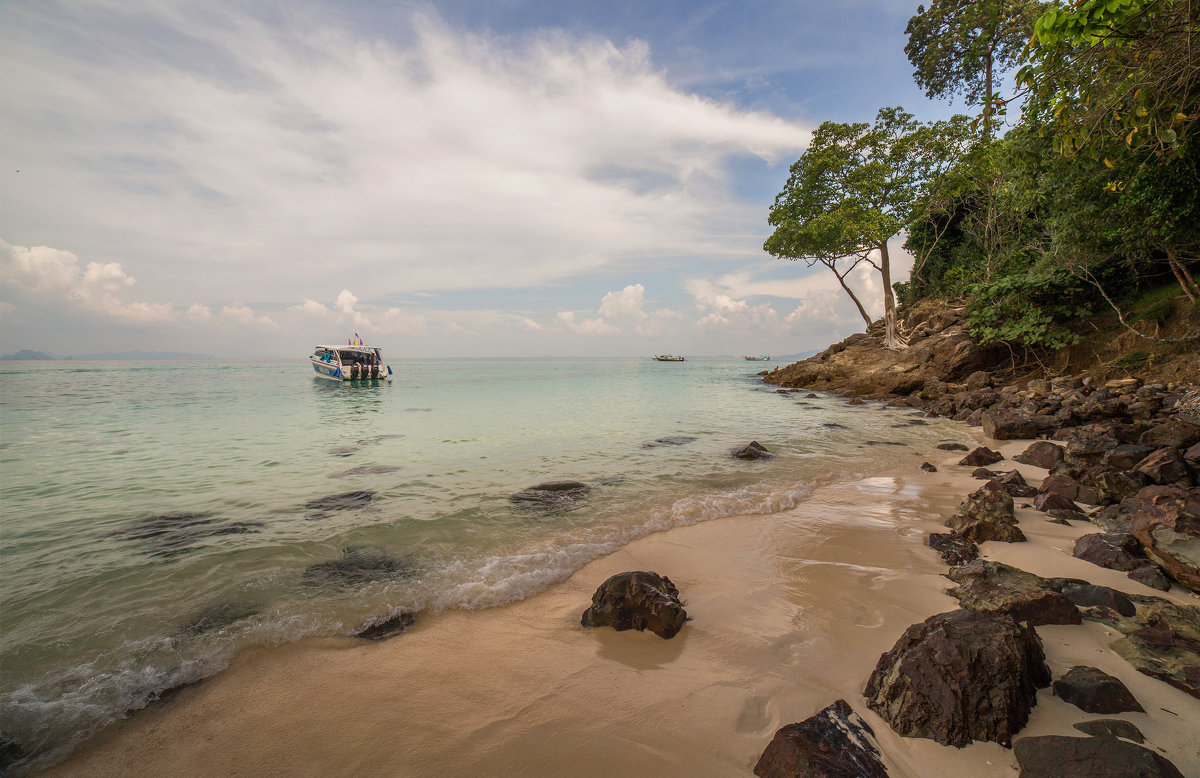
(1068, 487)
(1165, 466)
(989, 503)
(981, 531)
(1174, 433)
(1053, 501)
(1095, 691)
(1163, 642)
(959, 677)
(1126, 455)
(1151, 576)
(1086, 595)
(752, 450)
(981, 457)
(1090, 449)
(1042, 454)
(980, 379)
(1115, 551)
(953, 549)
(1059, 756)
(1192, 456)
(834, 743)
(1166, 520)
(1112, 486)
(983, 474)
(1016, 485)
(637, 600)
(551, 496)
(1008, 424)
(996, 588)
(1111, 728)
(384, 627)
(928, 468)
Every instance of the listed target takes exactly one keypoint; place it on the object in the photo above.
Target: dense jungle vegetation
(1073, 200)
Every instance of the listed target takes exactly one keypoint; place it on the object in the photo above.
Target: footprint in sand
(754, 716)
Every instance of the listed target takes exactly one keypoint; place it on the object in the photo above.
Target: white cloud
(198, 312)
(621, 312)
(242, 314)
(310, 308)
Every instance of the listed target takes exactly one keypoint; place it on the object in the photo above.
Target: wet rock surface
(1095, 691)
(834, 743)
(752, 450)
(959, 677)
(358, 566)
(675, 440)
(171, 534)
(981, 457)
(324, 507)
(952, 548)
(637, 600)
(1059, 756)
(551, 496)
(999, 589)
(385, 627)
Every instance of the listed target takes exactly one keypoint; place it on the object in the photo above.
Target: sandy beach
(789, 612)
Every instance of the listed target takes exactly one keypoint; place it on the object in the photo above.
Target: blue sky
(449, 179)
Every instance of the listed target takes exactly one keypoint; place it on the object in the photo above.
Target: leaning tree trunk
(1186, 282)
(861, 310)
(891, 337)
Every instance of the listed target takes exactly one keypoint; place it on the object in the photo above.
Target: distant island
(28, 354)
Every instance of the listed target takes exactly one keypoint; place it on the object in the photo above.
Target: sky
(513, 178)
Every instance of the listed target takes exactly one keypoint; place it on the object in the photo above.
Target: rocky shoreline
(1122, 454)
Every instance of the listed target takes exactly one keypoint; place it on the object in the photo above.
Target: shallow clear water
(158, 516)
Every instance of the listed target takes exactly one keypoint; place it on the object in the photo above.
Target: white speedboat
(352, 362)
(669, 358)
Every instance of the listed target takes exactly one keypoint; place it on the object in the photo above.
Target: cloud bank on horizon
(201, 177)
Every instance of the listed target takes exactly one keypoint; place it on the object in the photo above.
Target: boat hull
(333, 372)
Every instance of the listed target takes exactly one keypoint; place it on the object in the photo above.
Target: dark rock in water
(981, 457)
(10, 753)
(833, 425)
(366, 470)
(1166, 520)
(1059, 756)
(552, 496)
(952, 447)
(217, 617)
(752, 450)
(1087, 595)
(811, 395)
(384, 627)
(996, 588)
(676, 440)
(343, 451)
(959, 677)
(170, 534)
(953, 549)
(359, 565)
(834, 743)
(1095, 691)
(322, 507)
(883, 443)
(928, 468)
(1111, 728)
(637, 600)
(1042, 454)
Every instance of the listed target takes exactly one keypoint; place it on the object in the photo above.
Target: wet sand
(789, 612)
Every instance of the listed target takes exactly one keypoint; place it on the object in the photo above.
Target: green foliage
(1135, 358)
(1112, 77)
(1031, 309)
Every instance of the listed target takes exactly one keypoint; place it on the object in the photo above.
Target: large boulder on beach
(981, 457)
(1095, 691)
(983, 530)
(1043, 454)
(1060, 756)
(997, 588)
(959, 677)
(1008, 424)
(989, 502)
(1166, 520)
(637, 600)
(834, 743)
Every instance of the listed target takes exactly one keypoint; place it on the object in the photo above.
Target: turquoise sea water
(157, 517)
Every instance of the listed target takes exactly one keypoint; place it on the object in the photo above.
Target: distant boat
(352, 362)
(757, 359)
(668, 358)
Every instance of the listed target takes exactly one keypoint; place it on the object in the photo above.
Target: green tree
(963, 46)
(852, 191)
(1109, 77)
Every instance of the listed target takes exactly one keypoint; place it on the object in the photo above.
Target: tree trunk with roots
(891, 337)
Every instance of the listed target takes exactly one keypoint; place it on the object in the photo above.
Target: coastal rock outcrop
(953, 548)
(1060, 756)
(551, 495)
(959, 677)
(999, 589)
(1095, 691)
(752, 450)
(637, 600)
(981, 457)
(834, 743)
(1120, 551)
(384, 627)
(1166, 520)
